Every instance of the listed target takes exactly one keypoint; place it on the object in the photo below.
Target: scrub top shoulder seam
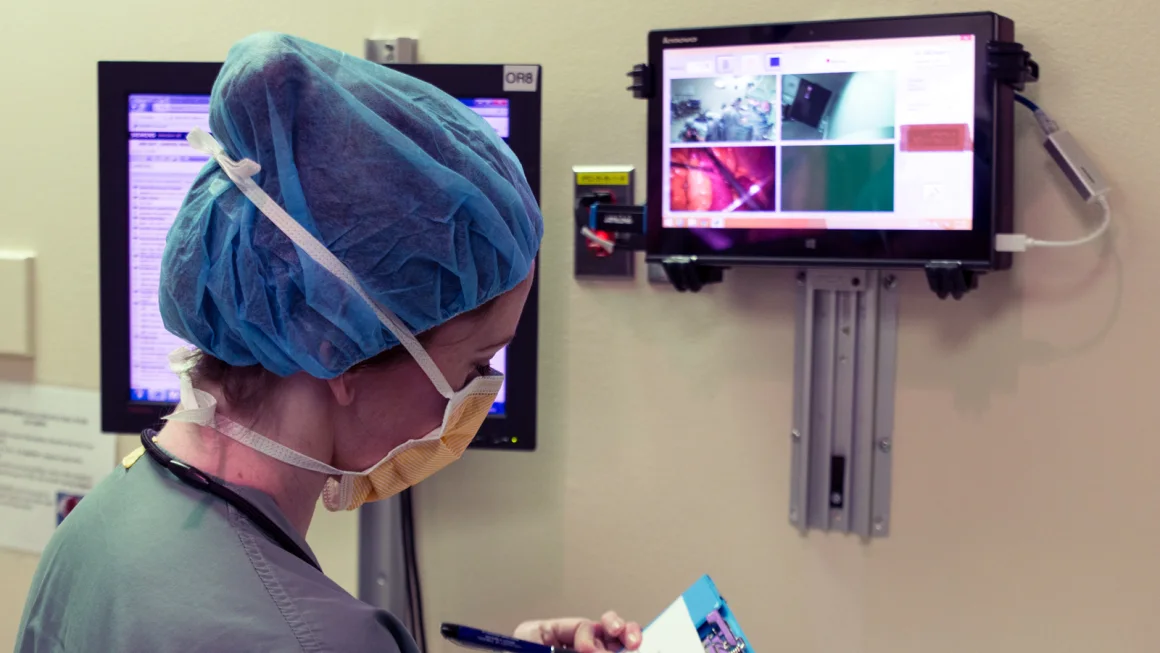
(299, 626)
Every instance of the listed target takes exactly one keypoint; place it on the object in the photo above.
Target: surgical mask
(405, 465)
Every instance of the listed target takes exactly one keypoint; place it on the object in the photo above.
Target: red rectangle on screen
(936, 138)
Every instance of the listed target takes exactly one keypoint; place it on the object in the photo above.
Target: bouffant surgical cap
(411, 190)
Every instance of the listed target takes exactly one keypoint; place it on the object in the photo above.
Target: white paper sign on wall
(53, 454)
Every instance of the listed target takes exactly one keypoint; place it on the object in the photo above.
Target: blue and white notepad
(699, 621)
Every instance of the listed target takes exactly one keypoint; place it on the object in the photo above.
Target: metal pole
(382, 572)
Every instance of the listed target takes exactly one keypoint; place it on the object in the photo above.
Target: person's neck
(294, 490)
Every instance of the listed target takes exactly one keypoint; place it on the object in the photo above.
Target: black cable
(406, 523)
(1025, 101)
(195, 478)
(416, 586)
(411, 565)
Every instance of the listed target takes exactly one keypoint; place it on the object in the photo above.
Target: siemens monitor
(145, 112)
(878, 143)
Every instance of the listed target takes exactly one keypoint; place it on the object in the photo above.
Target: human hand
(610, 634)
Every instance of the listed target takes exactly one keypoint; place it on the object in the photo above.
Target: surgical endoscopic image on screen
(724, 179)
(162, 167)
(724, 109)
(856, 135)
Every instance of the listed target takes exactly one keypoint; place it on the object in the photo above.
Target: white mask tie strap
(197, 406)
(200, 407)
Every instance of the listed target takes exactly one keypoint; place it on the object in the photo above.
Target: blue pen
(476, 638)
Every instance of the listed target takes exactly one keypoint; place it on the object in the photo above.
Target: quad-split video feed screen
(871, 134)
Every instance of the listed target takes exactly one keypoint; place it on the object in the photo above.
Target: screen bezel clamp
(643, 86)
(687, 275)
(1011, 64)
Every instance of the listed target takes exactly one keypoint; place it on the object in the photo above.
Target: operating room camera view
(724, 109)
(838, 106)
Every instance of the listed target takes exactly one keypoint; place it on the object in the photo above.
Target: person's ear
(342, 387)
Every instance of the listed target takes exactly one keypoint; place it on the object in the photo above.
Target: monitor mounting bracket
(846, 338)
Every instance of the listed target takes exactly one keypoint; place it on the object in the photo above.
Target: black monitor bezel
(116, 80)
(994, 116)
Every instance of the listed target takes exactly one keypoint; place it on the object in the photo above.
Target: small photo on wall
(65, 504)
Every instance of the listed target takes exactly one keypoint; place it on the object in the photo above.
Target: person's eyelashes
(477, 370)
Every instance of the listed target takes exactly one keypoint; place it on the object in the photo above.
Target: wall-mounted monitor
(146, 168)
(879, 143)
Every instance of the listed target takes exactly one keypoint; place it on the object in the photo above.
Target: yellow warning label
(602, 178)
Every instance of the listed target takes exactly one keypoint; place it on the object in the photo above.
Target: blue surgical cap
(405, 185)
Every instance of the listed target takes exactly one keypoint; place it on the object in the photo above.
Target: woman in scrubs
(356, 250)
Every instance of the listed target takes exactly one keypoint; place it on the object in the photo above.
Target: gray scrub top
(146, 563)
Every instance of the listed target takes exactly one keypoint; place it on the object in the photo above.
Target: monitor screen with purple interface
(162, 167)
(871, 134)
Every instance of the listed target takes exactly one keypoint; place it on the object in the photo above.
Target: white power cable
(1105, 222)
(1022, 242)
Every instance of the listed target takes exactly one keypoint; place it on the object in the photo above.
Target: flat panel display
(873, 143)
(868, 134)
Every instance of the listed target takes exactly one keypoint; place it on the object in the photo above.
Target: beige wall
(1025, 483)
